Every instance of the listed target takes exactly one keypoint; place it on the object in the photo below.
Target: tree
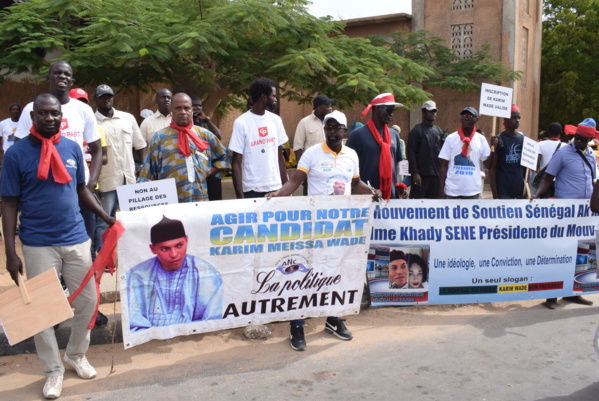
(215, 48)
(450, 71)
(569, 75)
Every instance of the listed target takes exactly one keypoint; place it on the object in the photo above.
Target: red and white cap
(78, 93)
(384, 99)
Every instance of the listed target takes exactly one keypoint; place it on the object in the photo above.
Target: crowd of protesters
(63, 174)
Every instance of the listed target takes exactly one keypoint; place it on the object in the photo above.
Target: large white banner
(250, 261)
(464, 251)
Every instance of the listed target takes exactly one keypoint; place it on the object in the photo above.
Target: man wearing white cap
(378, 146)
(424, 145)
(324, 180)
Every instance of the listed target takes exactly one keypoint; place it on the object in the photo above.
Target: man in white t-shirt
(548, 147)
(78, 124)
(258, 164)
(331, 169)
(8, 127)
(462, 155)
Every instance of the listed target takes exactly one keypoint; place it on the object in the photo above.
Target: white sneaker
(53, 387)
(81, 365)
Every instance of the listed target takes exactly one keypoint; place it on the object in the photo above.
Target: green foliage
(569, 75)
(216, 48)
(449, 70)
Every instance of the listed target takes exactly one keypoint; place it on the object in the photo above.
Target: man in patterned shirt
(185, 152)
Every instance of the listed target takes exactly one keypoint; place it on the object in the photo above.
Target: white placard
(245, 261)
(147, 194)
(495, 101)
(404, 167)
(530, 154)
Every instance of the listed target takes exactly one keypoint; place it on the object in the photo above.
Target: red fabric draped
(184, 134)
(106, 258)
(50, 157)
(385, 159)
(466, 140)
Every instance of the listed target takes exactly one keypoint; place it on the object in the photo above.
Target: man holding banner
(44, 178)
(323, 180)
(172, 287)
(574, 167)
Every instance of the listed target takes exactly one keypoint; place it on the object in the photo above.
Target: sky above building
(349, 9)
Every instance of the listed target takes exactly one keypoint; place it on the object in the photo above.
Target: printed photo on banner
(586, 276)
(486, 250)
(185, 269)
(398, 274)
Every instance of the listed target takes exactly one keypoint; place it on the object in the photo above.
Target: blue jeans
(110, 204)
(302, 322)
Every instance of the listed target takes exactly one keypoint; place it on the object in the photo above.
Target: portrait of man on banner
(407, 269)
(172, 287)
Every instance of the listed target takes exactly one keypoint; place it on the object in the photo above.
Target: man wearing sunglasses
(378, 146)
(574, 168)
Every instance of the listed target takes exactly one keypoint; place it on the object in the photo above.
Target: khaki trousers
(73, 262)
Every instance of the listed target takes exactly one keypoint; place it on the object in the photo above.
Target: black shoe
(296, 338)
(101, 319)
(337, 328)
(550, 303)
(577, 299)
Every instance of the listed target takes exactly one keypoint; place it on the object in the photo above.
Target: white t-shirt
(258, 138)
(464, 174)
(78, 124)
(546, 151)
(8, 128)
(329, 173)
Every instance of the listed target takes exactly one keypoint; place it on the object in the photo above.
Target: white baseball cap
(335, 115)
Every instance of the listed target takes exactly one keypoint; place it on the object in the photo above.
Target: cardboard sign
(48, 307)
(530, 154)
(147, 194)
(495, 101)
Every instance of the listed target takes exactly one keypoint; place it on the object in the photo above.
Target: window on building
(462, 4)
(462, 40)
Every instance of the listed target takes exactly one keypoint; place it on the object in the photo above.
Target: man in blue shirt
(574, 168)
(172, 287)
(44, 177)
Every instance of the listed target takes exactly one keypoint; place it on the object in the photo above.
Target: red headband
(582, 130)
(386, 98)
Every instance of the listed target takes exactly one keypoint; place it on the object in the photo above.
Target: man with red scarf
(44, 178)
(378, 146)
(461, 156)
(185, 152)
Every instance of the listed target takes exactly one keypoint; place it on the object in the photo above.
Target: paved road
(500, 351)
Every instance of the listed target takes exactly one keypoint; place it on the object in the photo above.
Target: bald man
(185, 152)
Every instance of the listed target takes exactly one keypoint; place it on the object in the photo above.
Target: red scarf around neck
(385, 160)
(184, 134)
(50, 157)
(466, 140)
